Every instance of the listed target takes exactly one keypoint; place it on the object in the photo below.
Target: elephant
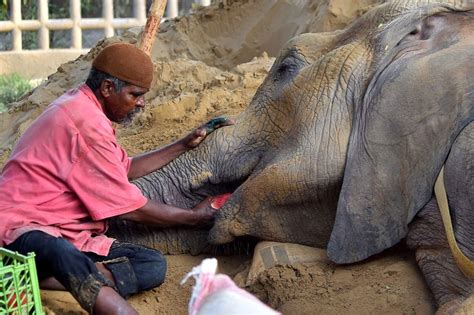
(342, 143)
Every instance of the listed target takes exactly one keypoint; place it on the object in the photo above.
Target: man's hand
(205, 212)
(198, 135)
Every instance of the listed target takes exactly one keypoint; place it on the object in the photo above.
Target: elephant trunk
(208, 170)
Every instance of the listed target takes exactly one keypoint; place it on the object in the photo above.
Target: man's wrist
(194, 218)
(181, 146)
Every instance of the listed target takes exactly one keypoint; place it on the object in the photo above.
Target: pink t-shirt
(66, 175)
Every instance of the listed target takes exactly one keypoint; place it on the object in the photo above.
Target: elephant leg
(451, 289)
(280, 203)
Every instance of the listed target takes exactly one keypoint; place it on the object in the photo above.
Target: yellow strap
(464, 263)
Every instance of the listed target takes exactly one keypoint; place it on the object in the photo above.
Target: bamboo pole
(152, 25)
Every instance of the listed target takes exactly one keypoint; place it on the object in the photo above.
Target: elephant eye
(414, 35)
(284, 68)
(416, 32)
(426, 28)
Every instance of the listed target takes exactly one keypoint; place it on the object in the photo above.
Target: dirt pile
(209, 64)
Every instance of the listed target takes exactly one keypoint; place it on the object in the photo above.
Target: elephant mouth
(219, 197)
(218, 201)
(220, 188)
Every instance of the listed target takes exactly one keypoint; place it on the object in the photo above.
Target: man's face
(121, 107)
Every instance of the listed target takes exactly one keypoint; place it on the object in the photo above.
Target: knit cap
(127, 63)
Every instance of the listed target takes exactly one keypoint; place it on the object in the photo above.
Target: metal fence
(75, 24)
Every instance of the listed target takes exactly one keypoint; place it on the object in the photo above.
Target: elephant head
(342, 143)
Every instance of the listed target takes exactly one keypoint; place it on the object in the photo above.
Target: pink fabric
(66, 175)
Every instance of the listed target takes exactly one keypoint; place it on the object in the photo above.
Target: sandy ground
(209, 64)
(387, 284)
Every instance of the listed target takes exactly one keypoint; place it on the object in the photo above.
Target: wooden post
(152, 24)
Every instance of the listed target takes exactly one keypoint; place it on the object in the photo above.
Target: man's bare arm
(151, 161)
(165, 215)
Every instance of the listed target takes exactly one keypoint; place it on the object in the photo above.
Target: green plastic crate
(19, 287)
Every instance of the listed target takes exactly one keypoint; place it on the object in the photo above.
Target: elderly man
(67, 175)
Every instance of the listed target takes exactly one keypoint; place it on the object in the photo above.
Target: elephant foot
(467, 307)
(219, 234)
(458, 306)
(226, 227)
(448, 284)
(450, 308)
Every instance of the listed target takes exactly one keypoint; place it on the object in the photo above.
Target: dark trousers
(134, 267)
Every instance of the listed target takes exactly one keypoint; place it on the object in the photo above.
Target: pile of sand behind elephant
(211, 64)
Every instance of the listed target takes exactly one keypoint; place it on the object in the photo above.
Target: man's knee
(149, 266)
(136, 268)
(151, 271)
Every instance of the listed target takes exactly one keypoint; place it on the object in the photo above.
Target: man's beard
(127, 120)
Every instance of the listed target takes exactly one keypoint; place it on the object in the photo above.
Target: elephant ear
(400, 137)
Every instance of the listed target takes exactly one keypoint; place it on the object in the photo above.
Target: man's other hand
(198, 135)
(205, 210)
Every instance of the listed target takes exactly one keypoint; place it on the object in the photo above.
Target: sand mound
(208, 64)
